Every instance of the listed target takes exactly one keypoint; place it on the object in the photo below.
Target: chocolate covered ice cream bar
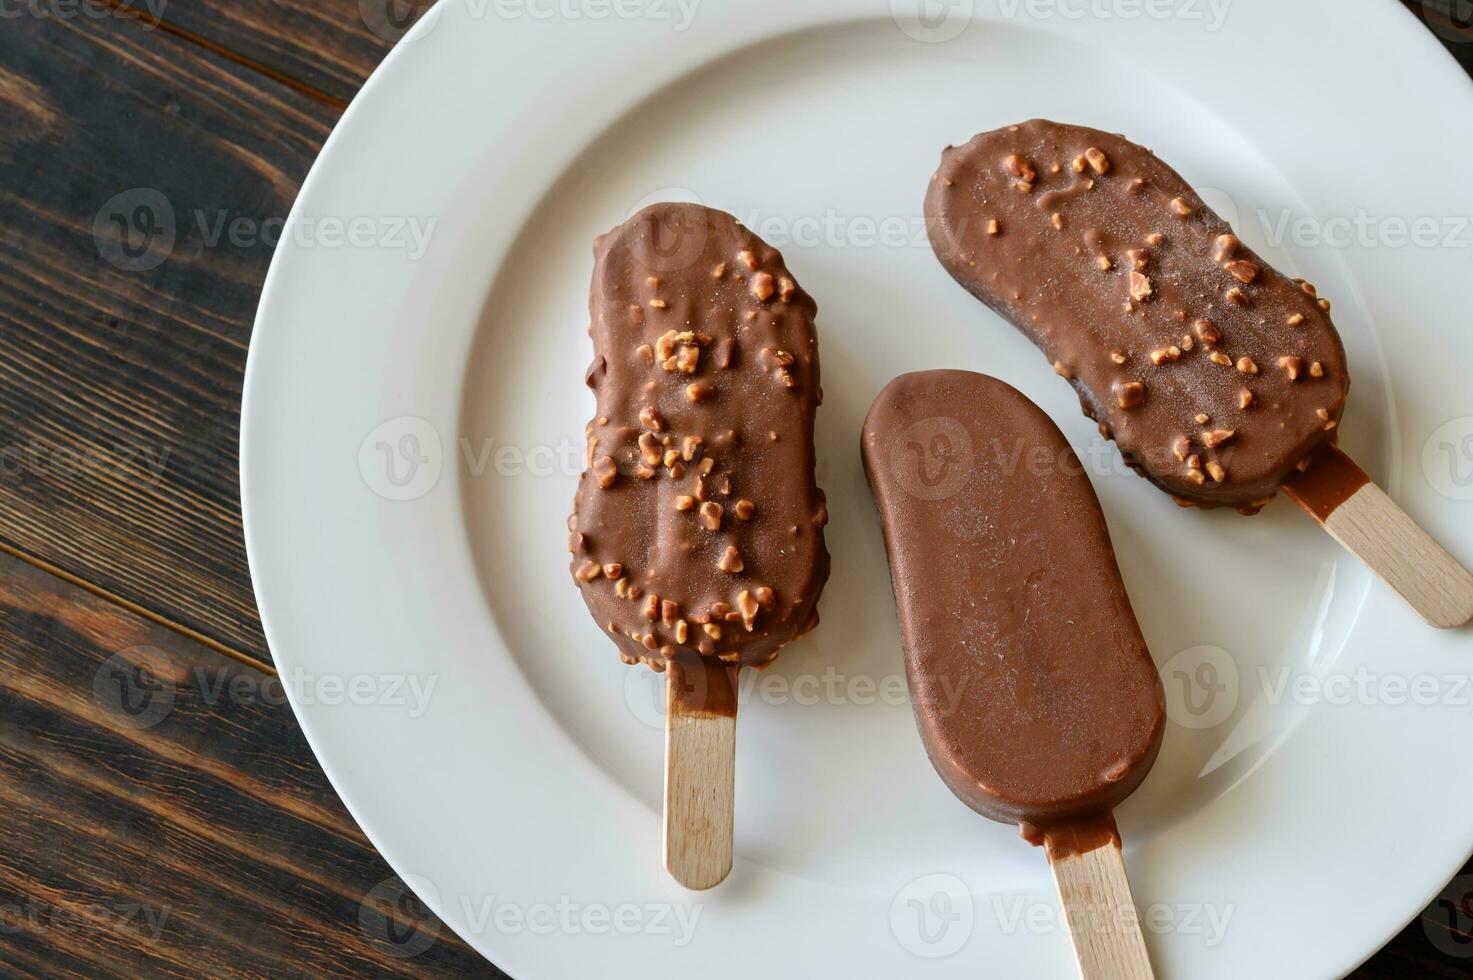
(698, 526)
(1216, 375)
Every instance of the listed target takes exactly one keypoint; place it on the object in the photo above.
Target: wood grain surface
(163, 815)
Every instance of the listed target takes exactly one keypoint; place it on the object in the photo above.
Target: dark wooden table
(162, 814)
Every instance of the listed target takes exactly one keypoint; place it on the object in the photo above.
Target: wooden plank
(174, 822)
(1438, 943)
(324, 47)
(120, 375)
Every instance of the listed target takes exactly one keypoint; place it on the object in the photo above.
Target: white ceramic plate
(412, 435)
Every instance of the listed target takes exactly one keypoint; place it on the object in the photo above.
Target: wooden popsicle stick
(1357, 513)
(700, 770)
(1095, 895)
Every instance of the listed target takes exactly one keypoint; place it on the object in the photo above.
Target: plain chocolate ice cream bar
(1216, 375)
(698, 527)
(1035, 694)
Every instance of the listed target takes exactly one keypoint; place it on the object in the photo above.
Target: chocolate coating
(1144, 300)
(698, 527)
(1035, 694)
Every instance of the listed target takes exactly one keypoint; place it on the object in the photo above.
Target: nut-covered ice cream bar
(1217, 376)
(1035, 694)
(698, 527)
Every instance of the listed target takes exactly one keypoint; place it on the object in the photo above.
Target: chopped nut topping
(1218, 357)
(1164, 355)
(685, 502)
(1062, 371)
(680, 350)
(621, 588)
(1179, 447)
(682, 632)
(1058, 220)
(1129, 394)
(588, 571)
(1078, 164)
(647, 351)
(764, 596)
(1292, 366)
(731, 561)
(1323, 304)
(1203, 418)
(747, 606)
(1140, 286)
(762, 286)
(1215, 470)
(1242, 270)
(1118, 356)
(1216, 437)
(671, 457)
(1323, 413)
(604, 471)
(711, 515)
(650, 449)
(747, 259)
(1330, 425)
(644, 472)
(1180, 207)
(698, 392)
(785, 289)
(1020, 168)
(651, 608)
(1186, 341)
(1224, 248)
(658, 304)
(1098, 162)
(1194, 461)
(689, 447)
(1026, 186)
(1307, 288)
(1139, 257)
(1155, 238)
(1207, 332)
(1104, 263)
(651, 419)
(1247, 365)
(712, 630)
(1196, 477)
(613, 570)
(993, 227)
(1316, 370)
(744, 509)
(1245, 398)
(1296, 319)
(1237, 297)
(719, 272)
